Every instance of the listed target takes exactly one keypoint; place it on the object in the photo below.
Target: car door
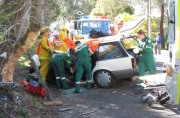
(113, 57)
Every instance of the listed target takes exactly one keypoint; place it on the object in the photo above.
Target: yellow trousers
(44, 67)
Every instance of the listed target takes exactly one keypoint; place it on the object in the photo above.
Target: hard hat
(63, 27)
(44, 29)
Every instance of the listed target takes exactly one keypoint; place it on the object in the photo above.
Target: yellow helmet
(63, 27)
(44, 29)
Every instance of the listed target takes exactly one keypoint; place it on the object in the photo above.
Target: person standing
(62, 36)
(83, 53)
(44, 52)
(146, 58)
(57, 43)
(158, 43)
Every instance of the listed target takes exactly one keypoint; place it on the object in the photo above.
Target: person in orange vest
(70, 43)
(57, 43)
(44, 52)
(62, 37)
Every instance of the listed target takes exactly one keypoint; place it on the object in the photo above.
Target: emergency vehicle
(86, 23)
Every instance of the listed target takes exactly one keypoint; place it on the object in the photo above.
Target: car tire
(104, 79)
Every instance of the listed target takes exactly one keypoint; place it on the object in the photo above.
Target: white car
(113, 62)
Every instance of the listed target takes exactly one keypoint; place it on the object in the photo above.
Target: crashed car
(113, 62)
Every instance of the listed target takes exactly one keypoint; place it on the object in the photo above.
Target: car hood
(130, 25)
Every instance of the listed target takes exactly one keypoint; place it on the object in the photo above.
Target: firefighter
(44, 52)
(62, 37)
(146, 58)
(60, 62)
(57, 43)
(83, 63)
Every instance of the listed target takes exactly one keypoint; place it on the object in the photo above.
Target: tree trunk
(20, 37)
(161, 26)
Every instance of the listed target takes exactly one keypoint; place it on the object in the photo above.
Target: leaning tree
(21, 21)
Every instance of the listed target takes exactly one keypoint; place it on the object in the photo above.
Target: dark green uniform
(146, 58)
(60, 62)
(83, 63)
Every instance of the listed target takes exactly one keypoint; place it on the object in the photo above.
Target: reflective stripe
(63, 78)
(57, 77)
(78, 82)
(90, 81)
(69, 62)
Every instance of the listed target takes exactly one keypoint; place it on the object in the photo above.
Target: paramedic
(83, 53)
(146, 58)
(61, 61)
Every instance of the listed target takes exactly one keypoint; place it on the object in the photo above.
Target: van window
(111, 50)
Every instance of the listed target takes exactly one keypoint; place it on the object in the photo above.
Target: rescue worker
(83, 63)
(112, 30)
(61, 61)
(146, 58)
(70, 43)
(57, 43)
(119, 26)
(44, 52)
(62, 37)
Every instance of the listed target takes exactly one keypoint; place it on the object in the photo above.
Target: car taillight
(133, 60)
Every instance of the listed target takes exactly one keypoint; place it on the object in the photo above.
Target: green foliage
(123, 17)
(144, 26)
(129, 10)
(36, 101)
(23, 112)
(111, 8)
(1, 116)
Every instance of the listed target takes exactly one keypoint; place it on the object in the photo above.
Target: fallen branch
(49, 103)
(87, 112)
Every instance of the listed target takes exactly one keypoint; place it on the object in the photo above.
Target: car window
(129, 42)
(110, 50)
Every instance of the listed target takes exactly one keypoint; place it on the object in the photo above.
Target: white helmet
(111, 25)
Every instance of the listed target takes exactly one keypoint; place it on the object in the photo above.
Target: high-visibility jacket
(57, 44)
(93, 44)
(44, 48)
(62, 37)
(70, 43)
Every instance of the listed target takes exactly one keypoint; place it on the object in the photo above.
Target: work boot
(64, 83)
(89, 85)
(58, 82)
(77, 88)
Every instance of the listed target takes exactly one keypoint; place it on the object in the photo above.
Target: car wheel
(143, 98)
(104, 79)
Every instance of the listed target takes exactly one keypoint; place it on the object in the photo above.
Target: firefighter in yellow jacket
(62, 37)
(44, 52)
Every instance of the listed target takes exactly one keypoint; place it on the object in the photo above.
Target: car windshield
(111, 50)
(96, 25)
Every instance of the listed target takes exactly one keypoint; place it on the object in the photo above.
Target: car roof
(109, 39)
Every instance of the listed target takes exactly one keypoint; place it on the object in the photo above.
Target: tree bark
(161, 26)
(20, 37)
